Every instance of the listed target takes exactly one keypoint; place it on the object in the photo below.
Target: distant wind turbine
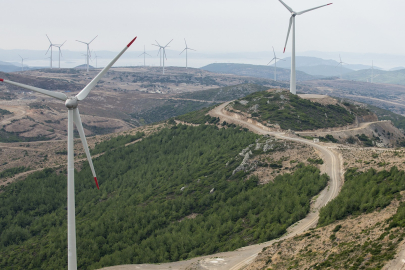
(88, 50)
(162, 52)
(22, 62)
(60, 52)
(372, 71)
(275, 64)
(340, 64)
(144, 55)
(95, 56)
(73, 117)
(50, 47)
(185, 49)
(292, 22)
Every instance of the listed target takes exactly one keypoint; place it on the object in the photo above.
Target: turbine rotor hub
(71, 103)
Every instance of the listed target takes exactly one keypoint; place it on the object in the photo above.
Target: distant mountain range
(379, 76)
(257, 71)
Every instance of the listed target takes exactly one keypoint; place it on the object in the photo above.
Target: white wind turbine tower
(275, 64)
(88, 50)
(340, 64)
(95, 56)
(185, 49)
(50, 47)
(372, 71)
(292, 22)
(144, 55)
(162, 52)
(22, 62)
(60, 52)
(73, 117)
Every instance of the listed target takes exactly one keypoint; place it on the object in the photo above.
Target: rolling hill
(160, 199)
(380, 76)
(256, 71)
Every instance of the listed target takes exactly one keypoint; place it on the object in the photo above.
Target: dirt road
(239, 258)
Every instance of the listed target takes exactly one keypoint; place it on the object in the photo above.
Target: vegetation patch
(198, 117)
(292, 112)
(226, 93)
(363, 192)
(115, 142)
(13, 171)
(170, 108)
(4, 112)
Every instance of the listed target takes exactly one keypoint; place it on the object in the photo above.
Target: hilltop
(278, 108)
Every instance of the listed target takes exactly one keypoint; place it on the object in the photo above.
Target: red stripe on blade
(95, 179)
(129, 44)
(1, 80)
(284, 50)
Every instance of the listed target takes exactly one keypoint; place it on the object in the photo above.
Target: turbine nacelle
(71, 103)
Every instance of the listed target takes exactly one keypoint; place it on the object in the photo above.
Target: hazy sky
(208, 25)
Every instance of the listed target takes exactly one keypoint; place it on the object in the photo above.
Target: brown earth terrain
(110, 106)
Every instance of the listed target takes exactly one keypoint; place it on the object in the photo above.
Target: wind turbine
(340, 64)
(292, 22)
(95, 56)
(144, 54)
(372, 71)
(185, 49)
(88, 50)
(162, 51)
(60, 52)
(275, 64)
(73, 116)
(50, 47)
(22, 62)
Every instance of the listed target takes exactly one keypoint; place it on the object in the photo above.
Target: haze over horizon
(210, 27)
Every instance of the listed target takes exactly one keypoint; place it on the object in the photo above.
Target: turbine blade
(288, 33)
(48, 49)
(62, 44)
(79, 126)
(148, 54)
(191, 49)
(157, 43)
(57, 95)
(86, 90)
(274, 53)
(271, 61)
(93, 39)
(287, 7)
(182, 51)
(169, 42)
(302, 12)
(48, 38)
(81, 41)
(185, 42)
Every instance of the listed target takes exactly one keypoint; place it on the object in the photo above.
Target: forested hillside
(171, 196)
(277, 107)
(363, 193)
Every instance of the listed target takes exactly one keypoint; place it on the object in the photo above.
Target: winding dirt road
(237, 259)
